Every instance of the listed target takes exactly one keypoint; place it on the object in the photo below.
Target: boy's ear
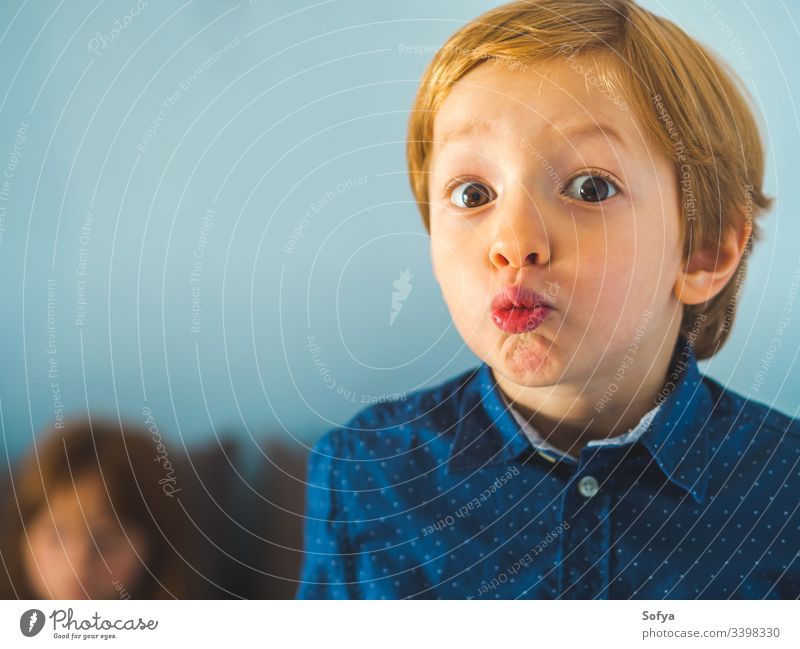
(708, 272)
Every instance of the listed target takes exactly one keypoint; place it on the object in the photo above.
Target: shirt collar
(678, 439)
(622, 439)
(486, 432)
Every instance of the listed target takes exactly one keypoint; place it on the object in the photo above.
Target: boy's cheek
(455, 255)
(442, 261)
(607, 286)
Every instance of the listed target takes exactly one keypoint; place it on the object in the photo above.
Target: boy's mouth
(517, 309)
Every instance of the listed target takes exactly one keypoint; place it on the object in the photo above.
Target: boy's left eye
(471, 194)
(590, 188)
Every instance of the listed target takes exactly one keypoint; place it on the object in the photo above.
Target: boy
(589, 176)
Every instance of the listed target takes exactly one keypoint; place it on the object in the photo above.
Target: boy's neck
(567, 416)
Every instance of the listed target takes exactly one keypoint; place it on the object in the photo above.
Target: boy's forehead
(553, 97)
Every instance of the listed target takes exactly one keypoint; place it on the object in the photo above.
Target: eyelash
(591, 171)
(458, 180)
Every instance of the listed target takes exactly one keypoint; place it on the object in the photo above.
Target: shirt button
(587, 486)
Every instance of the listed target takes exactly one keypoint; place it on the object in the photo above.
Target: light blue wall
(297, 128)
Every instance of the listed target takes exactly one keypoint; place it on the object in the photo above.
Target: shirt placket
(584, 561)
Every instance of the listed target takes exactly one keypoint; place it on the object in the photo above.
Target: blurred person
(89, 517)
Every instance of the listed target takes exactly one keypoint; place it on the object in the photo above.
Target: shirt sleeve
(328, 566)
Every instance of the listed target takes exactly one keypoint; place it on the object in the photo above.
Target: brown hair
(690, 102)
(123, 457)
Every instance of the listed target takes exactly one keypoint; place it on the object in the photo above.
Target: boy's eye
(591, 189)
(471, 194)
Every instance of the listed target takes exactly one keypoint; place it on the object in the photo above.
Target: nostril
(500, 259)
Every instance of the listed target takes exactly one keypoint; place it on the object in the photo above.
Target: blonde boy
(590, 177)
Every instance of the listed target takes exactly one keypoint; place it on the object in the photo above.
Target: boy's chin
(525, 361)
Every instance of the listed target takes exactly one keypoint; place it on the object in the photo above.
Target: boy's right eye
(471, 194)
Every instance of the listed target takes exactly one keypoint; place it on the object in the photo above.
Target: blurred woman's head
(92, 519)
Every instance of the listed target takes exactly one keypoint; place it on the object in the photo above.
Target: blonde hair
(690, 102)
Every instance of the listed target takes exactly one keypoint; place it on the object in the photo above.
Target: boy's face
(544, 179)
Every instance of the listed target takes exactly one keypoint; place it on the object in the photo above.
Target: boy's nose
(520, 239)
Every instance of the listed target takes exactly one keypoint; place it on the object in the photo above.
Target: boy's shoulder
(421, 413)
(735, 411)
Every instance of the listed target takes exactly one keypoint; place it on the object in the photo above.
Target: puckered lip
(518, 297)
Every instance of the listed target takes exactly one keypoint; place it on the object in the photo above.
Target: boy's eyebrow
(569, 130)
(465, 128)
(587, 129)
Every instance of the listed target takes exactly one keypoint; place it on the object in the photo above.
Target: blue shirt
(442, 495)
